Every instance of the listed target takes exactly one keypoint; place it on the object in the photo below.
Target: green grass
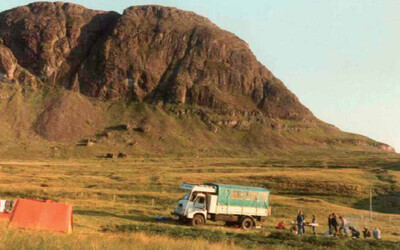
(251, 240)
(115, 200)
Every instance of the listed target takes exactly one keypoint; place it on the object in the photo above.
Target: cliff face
(149, 54)
(211, 92)
(48, 42)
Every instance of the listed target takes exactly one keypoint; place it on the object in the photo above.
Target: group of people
(337, 225)
(366, 233)
(301, 224)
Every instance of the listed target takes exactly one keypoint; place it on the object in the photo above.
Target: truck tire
(247, 223)
(198, 220)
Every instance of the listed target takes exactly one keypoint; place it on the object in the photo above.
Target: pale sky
(340, 57)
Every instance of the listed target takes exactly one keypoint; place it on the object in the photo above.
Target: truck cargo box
(234, 199)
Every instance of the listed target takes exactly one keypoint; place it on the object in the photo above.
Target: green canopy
(234, 195)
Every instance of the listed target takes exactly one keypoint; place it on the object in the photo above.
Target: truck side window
(199, 203)
(194, 195)
(201, 200)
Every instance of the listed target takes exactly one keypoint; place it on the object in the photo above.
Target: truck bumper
(177, 214)
(181, 218)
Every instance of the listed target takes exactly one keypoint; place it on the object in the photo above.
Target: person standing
(335, 224)
(300, 223)
(330, 224)
(343, 225)
(314, 227)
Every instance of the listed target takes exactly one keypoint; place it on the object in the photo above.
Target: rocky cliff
(70, 74)
(148, 54)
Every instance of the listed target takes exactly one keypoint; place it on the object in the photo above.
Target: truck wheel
(247, 223)
(198, 220)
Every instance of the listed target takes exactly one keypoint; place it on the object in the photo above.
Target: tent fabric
(42, 215)
(234, 195)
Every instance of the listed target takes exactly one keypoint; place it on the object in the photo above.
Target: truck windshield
(186, 197)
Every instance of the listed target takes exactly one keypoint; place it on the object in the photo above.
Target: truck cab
(194, 203)
(233, 204)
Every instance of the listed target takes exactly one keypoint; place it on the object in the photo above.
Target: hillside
(181, 84)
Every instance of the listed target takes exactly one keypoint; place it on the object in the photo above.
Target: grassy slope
(123, 197)
(22, 116)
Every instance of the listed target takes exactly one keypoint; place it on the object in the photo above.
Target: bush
(283, 236)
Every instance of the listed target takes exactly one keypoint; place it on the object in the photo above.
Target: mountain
(150, 53)
(67, 67)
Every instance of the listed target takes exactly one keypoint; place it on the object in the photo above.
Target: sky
(341, 57)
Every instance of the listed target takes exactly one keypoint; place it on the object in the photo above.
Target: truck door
(200, 203)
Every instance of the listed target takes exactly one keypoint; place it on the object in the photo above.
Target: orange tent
(42, 215)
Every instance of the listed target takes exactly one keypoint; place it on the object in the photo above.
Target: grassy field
(116, 201)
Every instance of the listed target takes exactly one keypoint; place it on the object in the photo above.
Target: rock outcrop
(386, 148)
(148, 54)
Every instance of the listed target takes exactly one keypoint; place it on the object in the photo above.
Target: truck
(233, 204)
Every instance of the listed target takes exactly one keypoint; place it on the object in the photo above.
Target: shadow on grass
(26, 195)
(385, 203)
(102, 157)
(141, 218)
(390, 165)
(121, 127)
